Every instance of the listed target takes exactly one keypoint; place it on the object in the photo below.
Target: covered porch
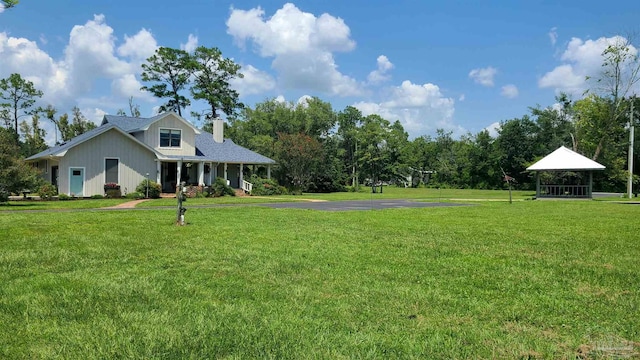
(199, 172)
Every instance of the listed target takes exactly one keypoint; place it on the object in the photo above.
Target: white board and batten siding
(91, 156)
(187, 140)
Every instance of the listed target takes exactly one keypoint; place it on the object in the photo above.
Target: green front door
(76, 181)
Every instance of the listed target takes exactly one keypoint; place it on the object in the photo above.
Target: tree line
(318, 148)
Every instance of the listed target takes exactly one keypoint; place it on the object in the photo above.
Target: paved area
(127, 205)
(359, 205)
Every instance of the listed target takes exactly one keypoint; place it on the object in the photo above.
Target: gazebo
(562, 160)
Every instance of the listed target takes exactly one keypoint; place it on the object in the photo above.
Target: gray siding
(187, 141)
(134, 162)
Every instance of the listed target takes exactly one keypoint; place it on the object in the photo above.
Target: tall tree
(168, 69)
(33, 136)
(78, 125)
(298, 154)
(516, 148)
(619, 76)
(349, 121)
(17, 96)
(212, 74)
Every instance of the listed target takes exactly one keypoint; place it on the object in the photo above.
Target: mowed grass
(365, 193)
(534, 279)
(60, 205)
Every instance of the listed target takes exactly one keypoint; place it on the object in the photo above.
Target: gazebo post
(537, 184)
(590, 183)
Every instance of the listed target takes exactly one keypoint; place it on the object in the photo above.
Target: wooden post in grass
(181, 209)
(508, 179)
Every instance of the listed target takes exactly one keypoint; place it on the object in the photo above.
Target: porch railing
(247, 186)
(577, 191)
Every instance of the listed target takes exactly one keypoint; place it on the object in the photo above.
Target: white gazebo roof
(565, 159)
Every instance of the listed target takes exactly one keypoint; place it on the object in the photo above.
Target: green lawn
(534, 279)
(56, 204)
(365, 193)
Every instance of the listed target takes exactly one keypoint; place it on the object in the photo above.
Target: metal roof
(206, 148)
(134, 124)
(565, 159)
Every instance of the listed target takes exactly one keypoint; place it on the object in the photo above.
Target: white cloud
(461, 98)
(94, 115)
(22, 56)
(127, 86)
(509, 91)
(280, 99)
(553, 35)
(1, 8)
(420, 108)
(138, 47)
(191, 45)
(301, 45)
(483, 76)
(253, 82)
(91, 58)
(493, 129)
(380, 74)
(580, 60)
(90, 55)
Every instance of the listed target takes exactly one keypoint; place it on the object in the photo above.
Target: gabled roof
(565, 159)
(61, 150)
(227, 151)
(133, 124)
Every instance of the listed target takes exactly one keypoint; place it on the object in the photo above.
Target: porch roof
(565, 159)
(227, 152)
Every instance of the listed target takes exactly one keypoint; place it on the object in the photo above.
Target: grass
(57, 204)
(529, 280)
(365, 193)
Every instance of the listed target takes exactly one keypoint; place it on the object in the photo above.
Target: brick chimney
(218, 130)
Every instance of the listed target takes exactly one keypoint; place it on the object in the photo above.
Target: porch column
(226, 178)
(241, 176)
(215, 171)
(179, 174)
(201, 173)
(158, 171)
(210, 172)
(268, 171)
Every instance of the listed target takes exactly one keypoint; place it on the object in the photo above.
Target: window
(111, 171)
(169, 138)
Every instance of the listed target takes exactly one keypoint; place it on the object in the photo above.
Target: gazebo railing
(577, 191)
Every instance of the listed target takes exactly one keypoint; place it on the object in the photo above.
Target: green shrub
(152, 186)
(266, 187)
(4, 195)
(220, 188)
(134, 195)
(47, 191)
(97, 196)
(64, 197)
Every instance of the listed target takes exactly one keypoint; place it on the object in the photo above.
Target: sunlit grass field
(532, 279)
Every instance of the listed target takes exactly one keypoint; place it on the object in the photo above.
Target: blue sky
(460, 66)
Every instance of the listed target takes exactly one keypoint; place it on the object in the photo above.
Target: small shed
(563, 160)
